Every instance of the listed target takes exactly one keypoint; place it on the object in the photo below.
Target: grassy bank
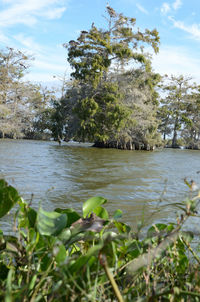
(68, 256)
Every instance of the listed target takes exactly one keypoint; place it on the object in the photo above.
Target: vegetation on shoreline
(113, 99)
(67, 256)
(21, 102)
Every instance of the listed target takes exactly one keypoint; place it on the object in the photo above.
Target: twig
(103, 262)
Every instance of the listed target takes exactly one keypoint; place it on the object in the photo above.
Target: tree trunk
(174, 139)
(130, 145)
(164, 136)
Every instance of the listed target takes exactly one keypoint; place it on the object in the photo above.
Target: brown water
(67, 175)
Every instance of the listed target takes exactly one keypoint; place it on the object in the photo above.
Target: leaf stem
(103, 262)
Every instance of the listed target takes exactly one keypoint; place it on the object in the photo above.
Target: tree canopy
(179, 109)
(20, 101)
(98, 106)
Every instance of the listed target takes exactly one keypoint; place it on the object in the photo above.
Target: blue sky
(40, 27)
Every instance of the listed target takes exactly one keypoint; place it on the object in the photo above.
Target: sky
(41, 27)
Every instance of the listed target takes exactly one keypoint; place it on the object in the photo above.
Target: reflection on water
(65, 176)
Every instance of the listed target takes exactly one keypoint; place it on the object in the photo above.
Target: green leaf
(50, 223)
(12, 244)
(72, 215)
(118, 214)
(33, 281)
(8, 197)
(60, 252)
(122, 227)
(65, 235)
(91, 204)
(8, 293)
(101, 212)
(3, 271)
(32, 216)
(45, 262)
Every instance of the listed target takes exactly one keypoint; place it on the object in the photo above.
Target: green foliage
(95, 107)
(8, 197)
(50, 223)
(22, 104)
(92, 204)
(177, 111)
(60, 255)
(72, 215)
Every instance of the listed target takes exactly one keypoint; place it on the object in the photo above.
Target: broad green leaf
(8, 197)
(91, 204)
(65, 235)
(72, 215)
(117, 214)
(101, 212)
(60, 253)
(50, 223)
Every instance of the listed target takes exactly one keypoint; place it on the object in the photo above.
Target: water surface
(67, 175)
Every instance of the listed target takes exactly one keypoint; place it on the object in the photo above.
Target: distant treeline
(113, 98)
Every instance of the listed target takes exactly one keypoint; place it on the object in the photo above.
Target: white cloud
(4, 39)
(165, 8)
(177, 4)
(54, 14)
(176, 61)
(28, 42)
(57, 67)
(193, 30)
(142, 9)
(28, 12)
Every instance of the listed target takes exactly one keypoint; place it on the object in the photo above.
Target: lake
(137, 182)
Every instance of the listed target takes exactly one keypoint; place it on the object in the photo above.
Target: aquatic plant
(67, 256)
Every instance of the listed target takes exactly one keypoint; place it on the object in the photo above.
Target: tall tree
(20, 101)
(141, 99)
(99, 110)
(191, 131)
(177, 96)
(13, 65)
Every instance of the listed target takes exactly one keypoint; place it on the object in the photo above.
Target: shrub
(66, 256)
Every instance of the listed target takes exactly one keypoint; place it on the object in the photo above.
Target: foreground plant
(67, 256)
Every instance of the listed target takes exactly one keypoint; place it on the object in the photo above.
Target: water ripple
(68, 175)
